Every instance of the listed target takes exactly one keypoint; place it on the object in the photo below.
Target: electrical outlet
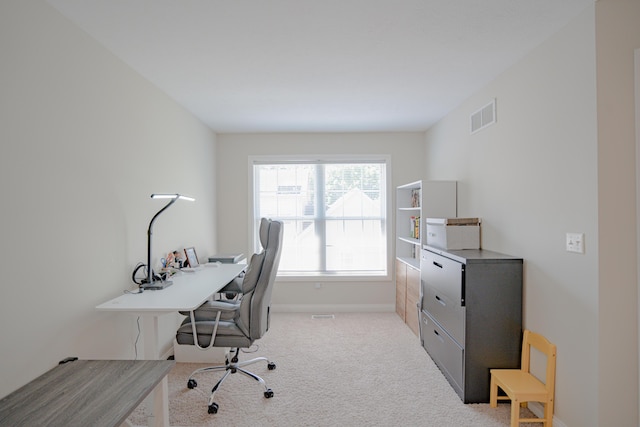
(575, 242)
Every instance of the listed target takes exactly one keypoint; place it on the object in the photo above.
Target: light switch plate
(575, 242)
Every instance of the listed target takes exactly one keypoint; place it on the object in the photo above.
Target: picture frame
(192, 257)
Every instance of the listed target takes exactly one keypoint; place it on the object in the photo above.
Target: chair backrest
(256, 300)
(540, 343)
(254, 269)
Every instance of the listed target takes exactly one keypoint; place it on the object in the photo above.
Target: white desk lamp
(148, 282)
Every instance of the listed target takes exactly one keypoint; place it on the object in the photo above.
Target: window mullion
(321, 225)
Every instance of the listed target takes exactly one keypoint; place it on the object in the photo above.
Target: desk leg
(158, 400)
(159, 405)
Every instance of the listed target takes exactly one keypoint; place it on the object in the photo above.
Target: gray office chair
(238, 324)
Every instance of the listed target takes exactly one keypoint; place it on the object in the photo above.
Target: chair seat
(515, 382)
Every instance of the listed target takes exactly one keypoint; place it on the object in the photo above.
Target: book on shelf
(415, 227)
(415, 198)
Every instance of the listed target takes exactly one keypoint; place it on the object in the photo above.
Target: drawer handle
(444, 304)
(438, 336)
(437, 264)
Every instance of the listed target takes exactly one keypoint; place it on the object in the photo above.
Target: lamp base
(157, 286)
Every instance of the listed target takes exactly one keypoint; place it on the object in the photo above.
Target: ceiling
(320, 65)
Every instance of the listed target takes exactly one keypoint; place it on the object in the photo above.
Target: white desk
(188, 291)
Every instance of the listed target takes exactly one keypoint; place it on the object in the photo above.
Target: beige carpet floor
(361, 369)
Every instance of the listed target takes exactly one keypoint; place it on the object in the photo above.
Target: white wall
(617, 36)
(561, 159)
(532, 177)
(406, 150)
(85, 141)
(637, 107)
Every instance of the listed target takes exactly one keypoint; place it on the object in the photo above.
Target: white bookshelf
(429, 199)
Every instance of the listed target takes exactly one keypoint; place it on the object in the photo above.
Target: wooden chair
(521, 386)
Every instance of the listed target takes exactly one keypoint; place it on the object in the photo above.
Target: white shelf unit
(435, 199)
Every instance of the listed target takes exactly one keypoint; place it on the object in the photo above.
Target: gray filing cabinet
(471, 315)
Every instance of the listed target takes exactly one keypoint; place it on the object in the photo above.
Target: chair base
(231, 367)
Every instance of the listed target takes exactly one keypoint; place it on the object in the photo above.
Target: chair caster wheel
(213, 408)
(268, 394)
(192, 383)
(271, 366)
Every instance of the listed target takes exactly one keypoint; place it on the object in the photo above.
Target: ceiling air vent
(484, 117)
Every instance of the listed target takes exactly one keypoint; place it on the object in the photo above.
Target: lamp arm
(149, 232)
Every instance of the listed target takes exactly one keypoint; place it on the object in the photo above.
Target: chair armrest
(216, 305)
(209, 310)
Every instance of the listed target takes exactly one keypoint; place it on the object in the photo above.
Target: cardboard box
(453, 233)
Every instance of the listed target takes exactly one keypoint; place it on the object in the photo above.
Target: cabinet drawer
(443, 350)
(443, 292)
(413, 284)
(400, 305)
(413, 297)
(401, 288)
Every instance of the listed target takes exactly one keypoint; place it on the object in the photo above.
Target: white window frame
(348, 158)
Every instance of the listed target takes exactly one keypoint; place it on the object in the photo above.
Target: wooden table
(84, 393)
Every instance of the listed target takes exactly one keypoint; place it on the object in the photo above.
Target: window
(334, 214)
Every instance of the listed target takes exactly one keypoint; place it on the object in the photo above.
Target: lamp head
(172, 196)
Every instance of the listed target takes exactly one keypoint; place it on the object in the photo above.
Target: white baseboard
(538, 409)
(332, 308)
